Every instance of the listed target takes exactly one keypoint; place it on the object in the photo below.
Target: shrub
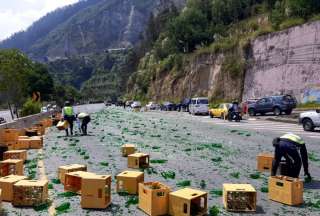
(291, 22)
(30, 108)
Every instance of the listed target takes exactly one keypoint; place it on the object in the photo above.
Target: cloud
(17, 15)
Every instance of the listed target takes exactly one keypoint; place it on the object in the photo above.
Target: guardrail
(27, 121)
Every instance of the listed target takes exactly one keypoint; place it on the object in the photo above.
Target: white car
(152, 106)
(136, 104)
(310, 120)
(44, 109)
(199, 106)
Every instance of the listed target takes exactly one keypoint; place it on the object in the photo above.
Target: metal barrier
(27, 121)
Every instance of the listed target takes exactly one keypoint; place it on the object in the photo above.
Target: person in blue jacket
(293, 149)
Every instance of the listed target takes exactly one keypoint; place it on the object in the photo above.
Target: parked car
(168, 106)
(221, 111)
(2, 120)
(199, 106)
(44, 109)
(152, 106)
(276, 104)
(310, 120)
(184, 105)
(108, 103)
(136, 104)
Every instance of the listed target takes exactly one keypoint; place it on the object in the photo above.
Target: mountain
(89, 26)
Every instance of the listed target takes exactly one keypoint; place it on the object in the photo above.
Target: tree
(14, 70)
(190, 29)
(39, 80)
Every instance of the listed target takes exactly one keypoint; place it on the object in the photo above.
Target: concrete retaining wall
(286, 62)
(26, 121)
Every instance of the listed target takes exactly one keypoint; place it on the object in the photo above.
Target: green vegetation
(56, 181)
(30, 108)
(214, 26)
(264, 189)
(203, 184)
(43, 207)
(309, 105)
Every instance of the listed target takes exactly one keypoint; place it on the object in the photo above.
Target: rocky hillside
(256, 51)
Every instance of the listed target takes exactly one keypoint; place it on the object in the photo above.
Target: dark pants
(84, 124)
(70, 120)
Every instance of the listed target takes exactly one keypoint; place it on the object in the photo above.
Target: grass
(309, 105)
(184, 183)
(288, 23)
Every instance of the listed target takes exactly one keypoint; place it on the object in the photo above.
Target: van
(199, 106)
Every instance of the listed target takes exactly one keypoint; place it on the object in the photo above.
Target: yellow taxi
(221, 111)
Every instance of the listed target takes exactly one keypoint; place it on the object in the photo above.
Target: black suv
(184, 105)
(275, 104)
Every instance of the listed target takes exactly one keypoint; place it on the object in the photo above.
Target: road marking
(43, 176)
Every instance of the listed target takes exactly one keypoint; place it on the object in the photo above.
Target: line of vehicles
(272, 105)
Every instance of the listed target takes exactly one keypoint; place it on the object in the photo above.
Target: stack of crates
(11, 167)
(63, 170)
(138, 160)
(15, 154)
(154, 198)
(188, 202)
(286, 190)
(96, 191)
(239, 197)
(24, 142)
(9, 137)
(6, 185)
(264, 162)
(128, 181)
(30, 192)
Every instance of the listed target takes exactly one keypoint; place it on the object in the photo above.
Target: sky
(17, 15)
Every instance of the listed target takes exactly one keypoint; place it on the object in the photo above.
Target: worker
(85, 119)
(289, 146)
(68, 115)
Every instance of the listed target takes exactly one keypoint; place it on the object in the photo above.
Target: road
(6, 115)
(200, 151)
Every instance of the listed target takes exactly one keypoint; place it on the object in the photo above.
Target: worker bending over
(293, 149)
(85, 119)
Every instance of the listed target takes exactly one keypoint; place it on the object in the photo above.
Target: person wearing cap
(293, 149)
(68, 115)
(85, 119)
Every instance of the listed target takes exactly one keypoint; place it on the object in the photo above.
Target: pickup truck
(310, 120)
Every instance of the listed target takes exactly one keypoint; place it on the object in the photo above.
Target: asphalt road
(200, 151)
